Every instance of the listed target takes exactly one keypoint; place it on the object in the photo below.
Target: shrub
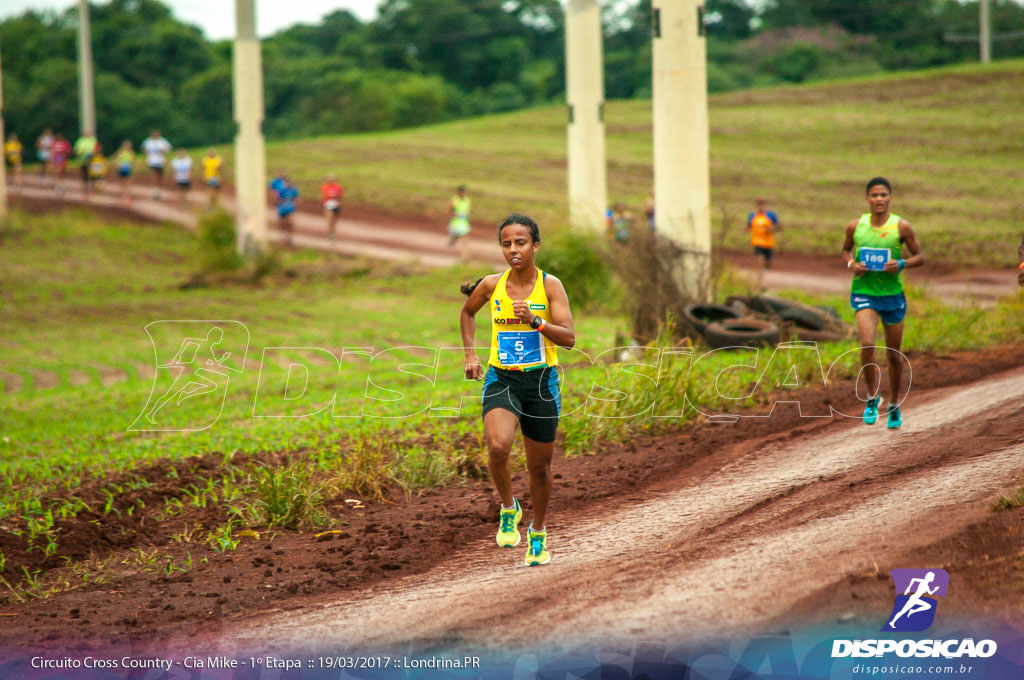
(218, 242)
(646, 267)
(581, 261)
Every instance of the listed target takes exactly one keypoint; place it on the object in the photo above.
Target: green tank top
(885, 237)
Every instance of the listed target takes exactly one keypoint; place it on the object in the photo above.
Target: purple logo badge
(916, 592)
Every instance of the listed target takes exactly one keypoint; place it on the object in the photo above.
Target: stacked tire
(735, 324)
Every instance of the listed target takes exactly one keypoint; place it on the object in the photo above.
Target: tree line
(423, 61)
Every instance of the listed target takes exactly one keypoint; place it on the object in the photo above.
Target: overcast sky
(217, 17)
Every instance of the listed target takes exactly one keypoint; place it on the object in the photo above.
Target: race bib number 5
(518, 348)
(874, 258)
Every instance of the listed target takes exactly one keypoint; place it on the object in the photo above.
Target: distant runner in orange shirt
(1020, 265)
(330, 196)
(762, 225)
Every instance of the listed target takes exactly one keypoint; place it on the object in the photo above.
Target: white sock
(509, 507)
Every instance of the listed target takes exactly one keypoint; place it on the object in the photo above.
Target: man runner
(530, 319)
(212, 163)
(125, 161)
(872, 249)
(85, 149)
(762, 225)
(330, 196)
(13, 151)
(182, 168)
(458, 222)
(1020, 265)
(156, 149)
(59, 159)
(44, 149)
(286, 197)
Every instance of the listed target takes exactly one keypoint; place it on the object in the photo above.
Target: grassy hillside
(950, 140)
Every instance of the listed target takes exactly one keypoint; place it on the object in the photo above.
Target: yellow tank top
(514, 345)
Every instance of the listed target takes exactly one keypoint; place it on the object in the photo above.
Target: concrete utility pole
(584, 85)
(682, 183)
(250, 161)
(985, 30)
(86, 96)
(3, 140)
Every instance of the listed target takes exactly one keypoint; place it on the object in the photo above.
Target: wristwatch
(536, 323)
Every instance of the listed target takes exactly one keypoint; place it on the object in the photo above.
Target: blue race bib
(874, 258)
(519, 348)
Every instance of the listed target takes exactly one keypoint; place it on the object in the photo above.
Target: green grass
(78, 293)
(948, 138)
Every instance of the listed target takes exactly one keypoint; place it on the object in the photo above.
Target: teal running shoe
(537, 553)
(508, 526)
(871, 410)
(895, 418)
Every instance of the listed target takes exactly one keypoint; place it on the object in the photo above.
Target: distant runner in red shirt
(60, 151)
(330, 194)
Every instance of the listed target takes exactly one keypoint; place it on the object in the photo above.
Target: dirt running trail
(729, 544)
(428, 246)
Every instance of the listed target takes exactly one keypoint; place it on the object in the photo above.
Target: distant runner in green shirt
(458, 225)
(125, 161)
(873, 249)
(85, 149)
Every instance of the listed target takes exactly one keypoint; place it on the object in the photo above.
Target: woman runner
(873, 250)
(530, 319)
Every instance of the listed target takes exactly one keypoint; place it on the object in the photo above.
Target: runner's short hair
(516, 218)
(875, 181)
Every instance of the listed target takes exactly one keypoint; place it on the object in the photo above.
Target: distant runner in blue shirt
(286, 192)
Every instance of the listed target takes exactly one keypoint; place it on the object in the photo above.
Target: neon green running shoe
(508, 526)
(537, 553)
(895, 418)
(871, 410)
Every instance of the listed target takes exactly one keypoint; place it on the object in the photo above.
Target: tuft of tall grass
(288, 497)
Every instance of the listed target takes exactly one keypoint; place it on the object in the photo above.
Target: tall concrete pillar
(250, 161)
(985, 31)
(682, 183)
(86, 91)
(584, 85)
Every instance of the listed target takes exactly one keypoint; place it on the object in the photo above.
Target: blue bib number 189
(874, 258)
(518, 348)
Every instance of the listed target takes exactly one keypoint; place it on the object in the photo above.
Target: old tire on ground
(699, 316)
(804, 318)
(741, 333)
(830, 312)
(790, 310)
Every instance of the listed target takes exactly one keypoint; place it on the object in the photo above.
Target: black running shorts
(534, 396)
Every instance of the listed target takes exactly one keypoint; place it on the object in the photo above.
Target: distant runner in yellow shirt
(762, 225)
(13, 151)
(212, 163)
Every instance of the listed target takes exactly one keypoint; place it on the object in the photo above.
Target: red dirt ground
(291, 572)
